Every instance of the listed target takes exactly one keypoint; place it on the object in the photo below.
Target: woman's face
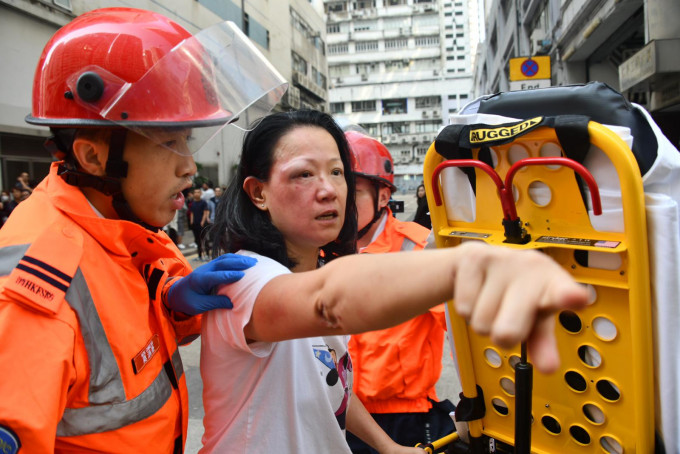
(421, 192)
(306, 192)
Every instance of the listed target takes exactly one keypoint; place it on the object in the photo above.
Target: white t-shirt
(282, 397)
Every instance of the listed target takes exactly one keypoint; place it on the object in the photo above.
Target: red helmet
(94, 49)
(371, 159)
(138, 69)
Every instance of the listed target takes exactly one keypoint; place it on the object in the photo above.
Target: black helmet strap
(116, 168)
(377, 210)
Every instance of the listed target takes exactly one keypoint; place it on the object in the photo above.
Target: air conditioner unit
(403, 140)
(364, 77)
(435, 72)
(339, 80)
(425, 115)
(393, 138)
(435, 113)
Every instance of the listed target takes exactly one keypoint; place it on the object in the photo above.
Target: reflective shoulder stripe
(407, 245)
(10, 257)
(109, 409)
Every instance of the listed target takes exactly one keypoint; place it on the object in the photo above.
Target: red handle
(507, 201)
(575, 166)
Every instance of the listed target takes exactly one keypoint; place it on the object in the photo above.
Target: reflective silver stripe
(10, 256)
(106, 384)
(407, 245)
(102, 418)
(108, 410)
(431, 242)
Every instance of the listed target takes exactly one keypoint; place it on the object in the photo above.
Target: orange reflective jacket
(89, 354)
(396, 369)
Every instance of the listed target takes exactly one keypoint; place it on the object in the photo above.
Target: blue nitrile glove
(193, 294)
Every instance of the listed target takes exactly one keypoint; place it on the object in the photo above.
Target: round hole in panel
(589, 356)
(593, 413)
(608, 390)
(575, 381)
(580, 435)
(517, 152)
(551, 425)
(539, 193)
(604, 328)
(514, 360)
(611, 445)
(550, 150)
(492, 357)
(508, 386)
(570, 321)
(500, 406)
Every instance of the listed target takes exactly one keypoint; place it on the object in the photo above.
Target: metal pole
(523, 388)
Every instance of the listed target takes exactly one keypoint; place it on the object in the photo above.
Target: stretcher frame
(622, 297)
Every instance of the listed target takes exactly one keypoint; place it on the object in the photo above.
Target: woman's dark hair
(241, 225)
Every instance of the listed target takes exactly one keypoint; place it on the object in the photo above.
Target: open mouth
(327, 216)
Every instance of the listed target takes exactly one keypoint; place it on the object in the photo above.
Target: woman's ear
(255, 190)
(91, 155)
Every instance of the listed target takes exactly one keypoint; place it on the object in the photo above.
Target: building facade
(632, 45)
(295, 46)
(397, 68)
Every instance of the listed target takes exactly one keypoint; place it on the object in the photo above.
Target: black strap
(471, 408)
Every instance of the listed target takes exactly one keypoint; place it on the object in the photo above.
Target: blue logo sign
(9, 442)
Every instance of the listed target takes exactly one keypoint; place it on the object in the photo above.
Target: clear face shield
(212, 79)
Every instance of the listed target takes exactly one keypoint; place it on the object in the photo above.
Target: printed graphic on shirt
(9, 442)
(335, 357)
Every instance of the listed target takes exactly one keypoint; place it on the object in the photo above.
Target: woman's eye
(305, 174)
(337, 172)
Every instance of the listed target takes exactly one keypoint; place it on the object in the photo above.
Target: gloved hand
(193, 294)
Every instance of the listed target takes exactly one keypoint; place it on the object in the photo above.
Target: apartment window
(427, 41)
(333, 28)
(299, 63)
(365, 68)
(405, 153)
(395, 128)
(335, 49)
(338, 70)
(336, 7)
(396, 43)
(421, 151)
(370, 128)
(363, 106)
(395, 2)
(428, 101)
(394, 106)
(364, 4)
(427, 126)
(318, 78)
(396, 65)
(337, 107)
(366, 46)
(360, 26)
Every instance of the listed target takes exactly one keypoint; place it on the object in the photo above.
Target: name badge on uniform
(143, 357)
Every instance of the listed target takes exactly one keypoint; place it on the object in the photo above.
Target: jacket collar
(121, 238)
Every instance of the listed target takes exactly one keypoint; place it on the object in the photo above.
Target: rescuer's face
(156, 175)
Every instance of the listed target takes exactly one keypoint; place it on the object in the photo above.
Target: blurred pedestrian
(422, 215)
(198, 220)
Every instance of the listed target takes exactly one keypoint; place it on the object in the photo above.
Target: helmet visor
(205, 82)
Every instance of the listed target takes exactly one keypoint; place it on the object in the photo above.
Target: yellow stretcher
(527, 197)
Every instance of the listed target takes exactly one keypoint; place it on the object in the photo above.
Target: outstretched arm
(507, 294)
